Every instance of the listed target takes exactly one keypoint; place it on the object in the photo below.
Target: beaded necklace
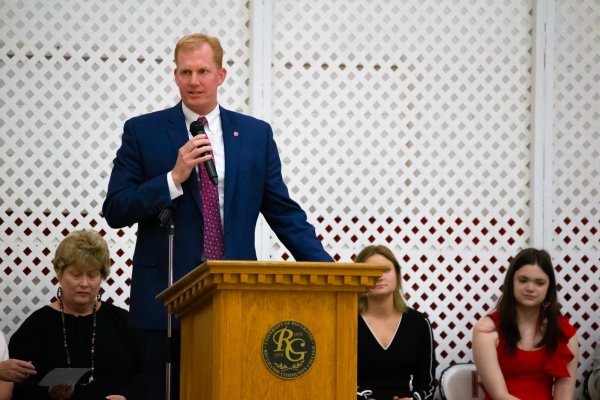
(93, 347)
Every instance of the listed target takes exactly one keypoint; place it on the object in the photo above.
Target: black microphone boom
(197, 128)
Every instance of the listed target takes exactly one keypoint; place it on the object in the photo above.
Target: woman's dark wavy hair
(549, 312)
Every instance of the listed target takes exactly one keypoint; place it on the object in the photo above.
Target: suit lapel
(177, 131)
(232, 139)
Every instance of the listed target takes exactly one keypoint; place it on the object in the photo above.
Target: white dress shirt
(3, 348)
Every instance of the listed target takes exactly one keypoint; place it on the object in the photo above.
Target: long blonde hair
(399, 303)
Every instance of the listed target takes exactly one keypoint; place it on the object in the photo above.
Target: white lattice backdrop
(399, 122)
(576, 176)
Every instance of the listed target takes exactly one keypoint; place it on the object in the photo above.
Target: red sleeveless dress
(529, 375)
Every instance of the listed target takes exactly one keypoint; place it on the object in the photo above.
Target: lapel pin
(236, 133)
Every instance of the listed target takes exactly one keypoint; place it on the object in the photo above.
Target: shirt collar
(211, 117)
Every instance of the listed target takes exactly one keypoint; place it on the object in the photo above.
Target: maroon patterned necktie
(214, 249)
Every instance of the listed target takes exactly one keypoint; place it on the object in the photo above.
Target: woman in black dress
(78, 330)
(396, 358)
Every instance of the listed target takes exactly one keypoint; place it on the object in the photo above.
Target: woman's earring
(546, 304)
(59, 293)
(99, 296)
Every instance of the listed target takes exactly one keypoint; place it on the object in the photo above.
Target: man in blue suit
(157, 167)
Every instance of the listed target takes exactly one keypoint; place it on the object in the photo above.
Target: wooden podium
(269, 330)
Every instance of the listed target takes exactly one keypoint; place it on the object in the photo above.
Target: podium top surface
(268, 275)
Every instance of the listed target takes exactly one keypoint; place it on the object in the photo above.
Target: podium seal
(289, 349)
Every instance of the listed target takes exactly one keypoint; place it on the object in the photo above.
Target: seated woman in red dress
(526, 349)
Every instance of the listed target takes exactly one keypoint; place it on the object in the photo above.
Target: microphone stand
(165, 220)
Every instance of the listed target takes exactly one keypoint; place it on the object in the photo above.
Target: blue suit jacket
(138, 191)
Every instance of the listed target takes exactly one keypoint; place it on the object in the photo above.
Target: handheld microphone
(197, 128)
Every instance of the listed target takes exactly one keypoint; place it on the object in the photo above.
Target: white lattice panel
(576, 176)
(410, 124)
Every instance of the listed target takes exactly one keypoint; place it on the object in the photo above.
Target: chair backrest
(461, 382)
(591, 391)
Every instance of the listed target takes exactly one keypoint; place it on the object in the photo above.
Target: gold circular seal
(289, 349)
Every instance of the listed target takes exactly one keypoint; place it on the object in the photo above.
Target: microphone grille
(196, 128)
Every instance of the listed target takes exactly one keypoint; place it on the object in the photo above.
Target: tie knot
(202, 121)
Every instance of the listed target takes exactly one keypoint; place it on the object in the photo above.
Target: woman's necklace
(93, 347)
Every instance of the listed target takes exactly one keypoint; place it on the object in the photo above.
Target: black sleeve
(25, 345)
(424, 376)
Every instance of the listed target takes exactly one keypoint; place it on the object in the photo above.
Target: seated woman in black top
(77, 330)
(396, 359)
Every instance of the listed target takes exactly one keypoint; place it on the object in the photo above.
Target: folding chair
(591, 391)
(461, 382)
